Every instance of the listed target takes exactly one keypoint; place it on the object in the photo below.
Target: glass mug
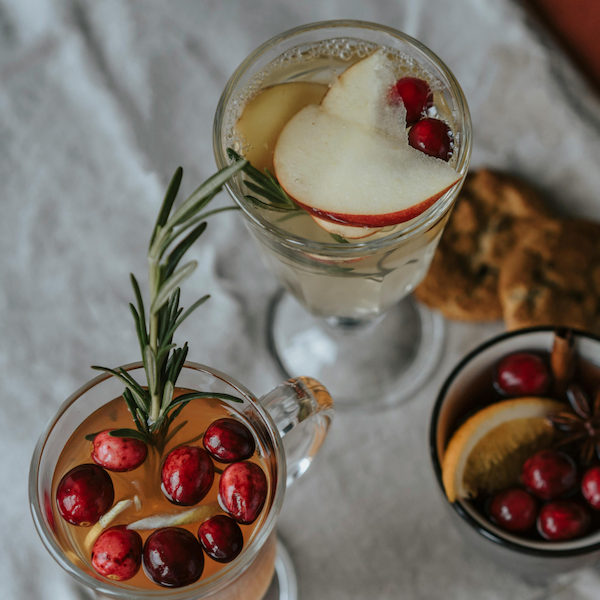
(347, 318)
(300, 409)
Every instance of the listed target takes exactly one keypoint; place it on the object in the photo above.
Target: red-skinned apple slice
(339, 162)
(348, 232)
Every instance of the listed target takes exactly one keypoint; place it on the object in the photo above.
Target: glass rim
(207, 587)
(423, 221)
(487, 532)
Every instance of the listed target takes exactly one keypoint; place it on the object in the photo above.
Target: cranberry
(187, 475)
(432, 137)
(563, 520)
(590, 487)
(117, 553)
(228, 440)
(243, 491)
(173, 557)
(549, 474)
(416, 96)
(513, 510)
(117, 453)
(84, 494)
(221, 538)
(522, 374)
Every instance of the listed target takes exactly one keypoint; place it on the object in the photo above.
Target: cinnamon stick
(562, 360)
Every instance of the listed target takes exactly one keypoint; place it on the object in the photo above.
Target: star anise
(582, 426)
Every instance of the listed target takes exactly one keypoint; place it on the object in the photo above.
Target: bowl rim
(485, 532)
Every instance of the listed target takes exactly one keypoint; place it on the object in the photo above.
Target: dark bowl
(528, 557)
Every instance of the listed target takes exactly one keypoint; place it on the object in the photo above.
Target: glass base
(369, 366)
(284, 585)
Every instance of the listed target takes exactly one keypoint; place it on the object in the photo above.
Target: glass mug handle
(302, 410)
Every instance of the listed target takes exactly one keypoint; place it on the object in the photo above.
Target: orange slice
(487, 452)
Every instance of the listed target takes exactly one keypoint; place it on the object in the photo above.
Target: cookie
(553, 277)
(484, 226)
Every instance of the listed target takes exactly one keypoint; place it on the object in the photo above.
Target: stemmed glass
(346, 316)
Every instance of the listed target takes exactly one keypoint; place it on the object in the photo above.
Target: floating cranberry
(549, 474)
(243, 491)
(117, 553)
(522, 374)
(117, 453)
(432, 137)
(173, 557)
(563, 520)
(416, 96)
(221, 538)
(590, 487)
(84, 494)
(187, 475)
(228, 440)
(513, 510)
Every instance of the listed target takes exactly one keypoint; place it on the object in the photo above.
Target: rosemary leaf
(139, 400)
(136, 320)
(163, 353)
(187, 220)
(140, 307)
(128, 397)
(175, 431)
(339, 238)
(264, 184)
(171, 284)
(210, 186)
(142, 421)
(210, 213)
(150, 362)
(167, 396)
(186, 314)
(163, 322)
(264, 205)
(141, 391)
(167, 204)
(195, 395)
(269, 194)
(178, 410)
(130, 433)
(179, 362)
(182, 248)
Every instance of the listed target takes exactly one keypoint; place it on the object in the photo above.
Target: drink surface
(145, 481)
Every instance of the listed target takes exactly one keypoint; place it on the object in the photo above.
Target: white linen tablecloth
(99, 103)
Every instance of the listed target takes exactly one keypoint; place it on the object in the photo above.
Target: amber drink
(249, 575)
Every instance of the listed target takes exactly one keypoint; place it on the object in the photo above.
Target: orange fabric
(577, 24)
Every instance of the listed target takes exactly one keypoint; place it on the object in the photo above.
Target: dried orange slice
(487, 452)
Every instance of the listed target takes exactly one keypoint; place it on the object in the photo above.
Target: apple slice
(360, 95)
(347, 160)
(348, 232)
(352, 176)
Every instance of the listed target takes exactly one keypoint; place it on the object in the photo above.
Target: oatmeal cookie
(553, 277)
(484, 226)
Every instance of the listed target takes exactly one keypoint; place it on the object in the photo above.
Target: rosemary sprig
(154, 408)
(266, 185)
